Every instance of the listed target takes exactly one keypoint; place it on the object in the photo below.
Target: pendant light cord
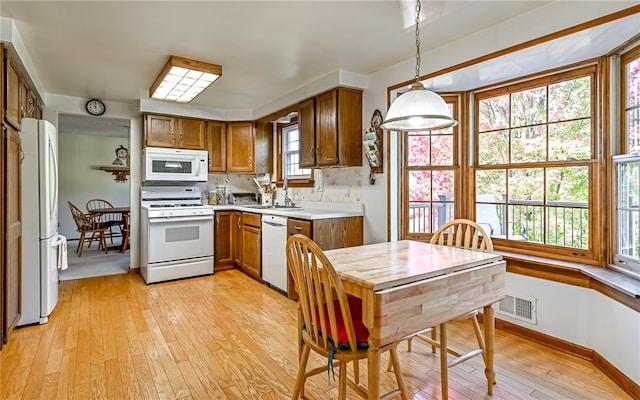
(418, 7)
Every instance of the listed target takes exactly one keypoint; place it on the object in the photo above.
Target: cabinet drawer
(298, 226)
(251, 219)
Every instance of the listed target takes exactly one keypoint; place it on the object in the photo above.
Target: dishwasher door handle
(273, 223)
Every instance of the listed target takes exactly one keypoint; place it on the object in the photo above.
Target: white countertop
(309, 210)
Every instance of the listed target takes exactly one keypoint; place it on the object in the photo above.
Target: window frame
(594, 164)
(297, 182)
(455, 167)
(619, 261)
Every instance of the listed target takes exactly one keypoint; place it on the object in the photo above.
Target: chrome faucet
(285, 187)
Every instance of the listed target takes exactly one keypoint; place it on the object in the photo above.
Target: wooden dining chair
(88, 224)
(330, 320)
(464, 234)
(125, 233)
(108, 220)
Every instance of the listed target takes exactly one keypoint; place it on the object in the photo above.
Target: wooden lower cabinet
(236, 233)
(223, 240)
(331, 233)
(252, 245)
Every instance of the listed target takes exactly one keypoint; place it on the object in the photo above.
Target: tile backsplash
(340, 184)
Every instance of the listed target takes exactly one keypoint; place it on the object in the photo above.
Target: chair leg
(356, 372)
(80, 244)
(398, 372)
(433, 337)
(299, 389)
(342, 381)
(479, 337)
(103, 236)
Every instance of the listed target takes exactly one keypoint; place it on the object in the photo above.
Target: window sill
(614, 284)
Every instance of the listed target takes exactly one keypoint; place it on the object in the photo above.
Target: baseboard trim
(596, 359)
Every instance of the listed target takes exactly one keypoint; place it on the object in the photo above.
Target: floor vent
(521, 308)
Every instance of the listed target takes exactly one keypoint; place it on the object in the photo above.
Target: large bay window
(535, 163)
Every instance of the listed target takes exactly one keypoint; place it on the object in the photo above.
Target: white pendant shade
(418, 110)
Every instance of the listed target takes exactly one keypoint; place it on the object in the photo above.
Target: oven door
(180, 238)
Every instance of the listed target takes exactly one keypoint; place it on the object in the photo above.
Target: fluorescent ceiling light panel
(181, 79)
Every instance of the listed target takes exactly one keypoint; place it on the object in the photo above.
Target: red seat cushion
(362, 334)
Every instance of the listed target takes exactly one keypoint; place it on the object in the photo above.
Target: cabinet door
(240, 147)
(217, 146)
(191, 134)
(237, 238)
(327, 128)
(264, 146)
(13, 223)
(251, 251)
(222, 238)
(160, 131)
(13, 102)
(307, 129)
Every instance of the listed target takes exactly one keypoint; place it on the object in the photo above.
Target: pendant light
(418, 109)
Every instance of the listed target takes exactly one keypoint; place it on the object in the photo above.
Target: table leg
(489, 337)
(444, 361)
(373, 372)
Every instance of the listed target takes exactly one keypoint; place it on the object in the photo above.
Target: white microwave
(176, 165)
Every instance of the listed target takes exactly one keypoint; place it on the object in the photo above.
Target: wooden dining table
(112, 210)
(408, 286)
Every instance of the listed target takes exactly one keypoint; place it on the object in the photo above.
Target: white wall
(79, 181)
(584, 317)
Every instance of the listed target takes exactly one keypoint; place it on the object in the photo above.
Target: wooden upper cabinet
(168, 131)
(217, 146)
(191, 134)
(330, 127)
(339, 127)
(264, 146)
(307, 130)
(14, 88)
(241, 147)
(160, 131)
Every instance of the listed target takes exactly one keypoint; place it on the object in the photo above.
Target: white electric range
(176, 233)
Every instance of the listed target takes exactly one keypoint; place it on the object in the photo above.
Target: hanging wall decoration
(372, 144)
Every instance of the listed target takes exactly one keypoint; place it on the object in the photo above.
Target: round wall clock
(95, 107)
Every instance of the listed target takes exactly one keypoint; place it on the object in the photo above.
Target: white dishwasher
(274, 259)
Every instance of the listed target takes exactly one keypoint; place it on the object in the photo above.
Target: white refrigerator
(41, 244)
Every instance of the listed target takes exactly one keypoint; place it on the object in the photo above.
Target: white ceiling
(114, 50)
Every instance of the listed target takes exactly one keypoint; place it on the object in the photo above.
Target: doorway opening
(85, 144)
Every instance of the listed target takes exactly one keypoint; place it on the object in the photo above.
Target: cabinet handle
(22, 112)
(259, 239)
(217, 222)
(209, 160)
(180, 137)
(298, 228)
(239, 223)
(317, 151)
(250, 161)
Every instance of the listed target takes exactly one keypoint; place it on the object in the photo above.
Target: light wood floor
(228, 337)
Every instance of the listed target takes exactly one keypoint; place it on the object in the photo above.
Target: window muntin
(291, 154)
(534, 161)
(430, 177)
